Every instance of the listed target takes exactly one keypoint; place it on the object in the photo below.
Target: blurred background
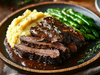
(9, 6)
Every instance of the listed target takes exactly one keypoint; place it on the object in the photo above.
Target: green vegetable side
(81, 23)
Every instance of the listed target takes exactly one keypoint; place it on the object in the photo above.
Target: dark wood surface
(5, 10)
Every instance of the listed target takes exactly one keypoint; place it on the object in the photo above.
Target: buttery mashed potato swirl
(22, 24)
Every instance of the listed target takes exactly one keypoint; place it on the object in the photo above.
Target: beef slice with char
(48, 56)
(32, 42)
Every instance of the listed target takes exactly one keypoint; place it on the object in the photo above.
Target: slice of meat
(46, 52)
(30, 38)
(31, 42)
(42, 55)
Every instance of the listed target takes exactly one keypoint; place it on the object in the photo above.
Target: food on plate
(55, 36)
(36, 38)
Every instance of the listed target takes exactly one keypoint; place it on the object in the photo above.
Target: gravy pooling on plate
(41, 66)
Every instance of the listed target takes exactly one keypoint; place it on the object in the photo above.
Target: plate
(42, 7)
(97, 4)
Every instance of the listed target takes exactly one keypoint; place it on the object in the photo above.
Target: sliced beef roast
(51, 42)
(31, 42)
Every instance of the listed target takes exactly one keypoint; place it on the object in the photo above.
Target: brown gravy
(41, 66)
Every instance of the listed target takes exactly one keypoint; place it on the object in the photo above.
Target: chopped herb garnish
(81, 61)
(98, 42)
(55, 39)
(26, 18)
(59, 31)
(91, 51)
(52, 22)
(18, 24)
(83, 57)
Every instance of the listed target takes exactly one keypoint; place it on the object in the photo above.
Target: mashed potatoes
(21, 25)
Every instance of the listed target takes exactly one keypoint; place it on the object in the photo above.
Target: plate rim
(96, 5)
(46, 71)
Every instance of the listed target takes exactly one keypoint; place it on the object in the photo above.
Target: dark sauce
(41, 66)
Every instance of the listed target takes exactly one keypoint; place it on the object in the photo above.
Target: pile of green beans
(81, 23)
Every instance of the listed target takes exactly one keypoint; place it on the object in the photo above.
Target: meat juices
(50, 36)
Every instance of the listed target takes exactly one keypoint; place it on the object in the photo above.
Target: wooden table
(5, 10)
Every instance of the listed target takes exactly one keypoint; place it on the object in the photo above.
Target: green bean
(94, 32)
(79, 14)
(71, 11)
(77, 29)
(95, 26)
(72, 17)
(89, 18)
(57, 15)
(69, 25)
(65, 19)
(86, 17)
(86, 36)
(73, 23)
(86, 29)
(91, 36)
(64, 22)
(82, 30)
(52, 10)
